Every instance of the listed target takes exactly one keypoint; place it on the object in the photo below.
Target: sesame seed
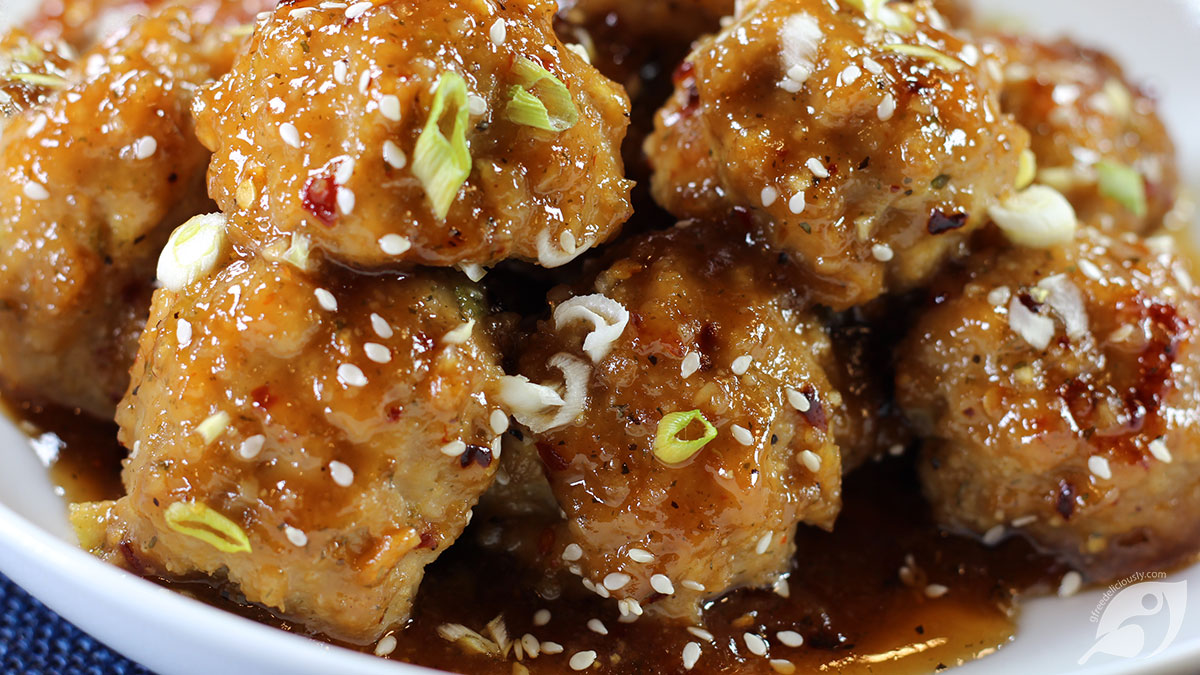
(531, 645)
(882, 252)
(476, 104)
(633, 606)
(386, 646)
(572, 553)
(741, 364)
(790, 85)
(817, 168)
(742, 434)
(781, 587)
(755, 644)
(35, 191)
(692, 585)
(339, 72)
(993, 535)
(935, 590)
(541, 617)
(798, 401)
(498, 420)
(886, 107)
(1024, 520)
(811, 460)
(896, 450)
(550, 647)
(1090, 270)
(341, 474)
(393, 155)
(351, 375)
(790, 638)
(389, 107)
(380, 326)
(345, 200)
(597, 626)
(453, 449)
(796, 203)
(850, 74)
(1071, 583)
(358, 9)
(691, 654)
(700, 633)
(661, 584)
(250, 447)
(145, 147)
(289, 134)
(377, 352)
(474, 272)
(1099, 467)
(769, 195)
(183, 332)
(640, 555)
(1159, 449)
(690, 364)
(782, 666)
(326, 300)
(873, 67)
(615, 581)
(297, 537)
(764, 543)
(498, 32)
(582, 660)
(460, 334)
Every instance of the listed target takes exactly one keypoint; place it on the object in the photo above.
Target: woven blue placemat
(34, 640)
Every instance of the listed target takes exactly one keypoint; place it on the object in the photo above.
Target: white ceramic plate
(1159, 41)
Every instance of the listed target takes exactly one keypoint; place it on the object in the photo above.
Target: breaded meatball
(410, 132)
(1059, 396)
(1089, 123)
(314, 444)
(869, 151)
(96, 175)
(692, 334)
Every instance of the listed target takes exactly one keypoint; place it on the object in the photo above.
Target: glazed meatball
(97, 173)
(312, 444)
(869, 147)
(1058, 393)
(1092, 132)
(681, 408)
(431, 132)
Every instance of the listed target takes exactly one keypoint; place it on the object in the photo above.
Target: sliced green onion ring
(928, 53)
(540, 99)
(443, 164)
(196, 520)
(1026, 169)
(39, 79)
(673, 450)
(1123, 184)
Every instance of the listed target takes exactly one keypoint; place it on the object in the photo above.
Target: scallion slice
(669, 447)
(39, 79)
(443, 164)
(196, 520)
(1026, 169)
(928, 53)
(1122, 184)
(540, 100)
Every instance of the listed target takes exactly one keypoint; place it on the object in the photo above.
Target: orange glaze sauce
(846, 595)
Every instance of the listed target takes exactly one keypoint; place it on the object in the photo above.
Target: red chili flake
(940, 222)
(816, 412)
(1065, 500)
(132, 559)
(320, 198)
(546, 541)
(429, 540)
(477, 454)
(551, 458)
(262, 397)
(394, 413)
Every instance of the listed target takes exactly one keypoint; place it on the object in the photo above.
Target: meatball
(1093, 132)
(443, 133)
(99, 166)
(1059, 396)
(686, 422)
(871, 147)
(314, 444)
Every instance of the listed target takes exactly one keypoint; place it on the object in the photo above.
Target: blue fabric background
(34, 640)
